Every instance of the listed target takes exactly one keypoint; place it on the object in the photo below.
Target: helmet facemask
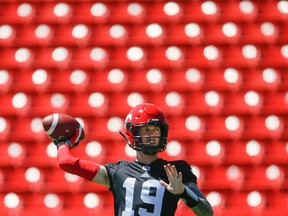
(136, 142)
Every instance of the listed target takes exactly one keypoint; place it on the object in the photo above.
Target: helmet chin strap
(149, 153)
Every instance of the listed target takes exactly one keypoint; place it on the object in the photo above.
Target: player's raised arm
(56, 127)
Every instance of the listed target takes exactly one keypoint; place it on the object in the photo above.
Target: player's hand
(175, 185)
(72, 142)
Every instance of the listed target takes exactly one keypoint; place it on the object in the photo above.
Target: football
(61, 127)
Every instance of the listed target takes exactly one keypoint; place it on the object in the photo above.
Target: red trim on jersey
(83, 168)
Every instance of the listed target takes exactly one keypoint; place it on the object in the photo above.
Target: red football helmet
(145, 114)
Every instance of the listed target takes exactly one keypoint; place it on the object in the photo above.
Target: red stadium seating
(218, 70)
(224, 178)
(264, 178)
(241, 103)
(257, 127)
(244, 153)
(223, 128)
(15, 104)
(264, 80)
(276, 153)
(40, 35)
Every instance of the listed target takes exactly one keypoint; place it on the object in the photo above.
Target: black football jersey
(137, 190)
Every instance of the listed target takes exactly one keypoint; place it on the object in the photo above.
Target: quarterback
(149, 185)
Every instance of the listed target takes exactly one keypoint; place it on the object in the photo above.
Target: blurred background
(218, 69)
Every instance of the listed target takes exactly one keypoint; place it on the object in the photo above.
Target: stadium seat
(276, 204)
(24, 180)
(273, 56)
(201, 11)
(27, 129)
(5, 128)
(69, 81)
(263, 127)
(110, 35)
(12, 154)
(15, 104)
(172, 103)
(228, 79)
(54, 13)
(238, 57)
(21, 58)
(59, 181)
(253, 34)
(34, 35)
(274, 11)
(93, 150)
(175, 150)
(87, 105)
(43, 153)
(264, 178)
(205, 153)
(165, 57)
(6, 77)
(127, 12)
(204, 103)
(32, 81)
(109, 81)
(152, 80)
(235, 11)
(128, 57)
(18, 13)
(203, 56)
(90, 58)
(105, 128)
(7, 35)
(276, 153)
(251, 153)
(77, 35)
(275, 103)
(264, 80)
(216, 34)
(151, 34)
(89, 12)
(224, 178)
(45, 104)
(53, 58)
(283, 34)
(223, 128)
(244, 203)
(190, 128)
(121, 104)
(161, 12)
(11, 203)
(184, 33)
(242, 103)
(119, 150)
(184, 80)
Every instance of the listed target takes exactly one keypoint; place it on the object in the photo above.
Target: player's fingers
(174, 171)
(163, 183)
(167, 170)
(180, 176)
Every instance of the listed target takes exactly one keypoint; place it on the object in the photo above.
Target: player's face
(151, 134)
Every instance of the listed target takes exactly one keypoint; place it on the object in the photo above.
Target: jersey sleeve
(112, 168)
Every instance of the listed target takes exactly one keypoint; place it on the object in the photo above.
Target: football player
(149, 185)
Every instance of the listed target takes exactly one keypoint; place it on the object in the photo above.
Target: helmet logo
(128, 117)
